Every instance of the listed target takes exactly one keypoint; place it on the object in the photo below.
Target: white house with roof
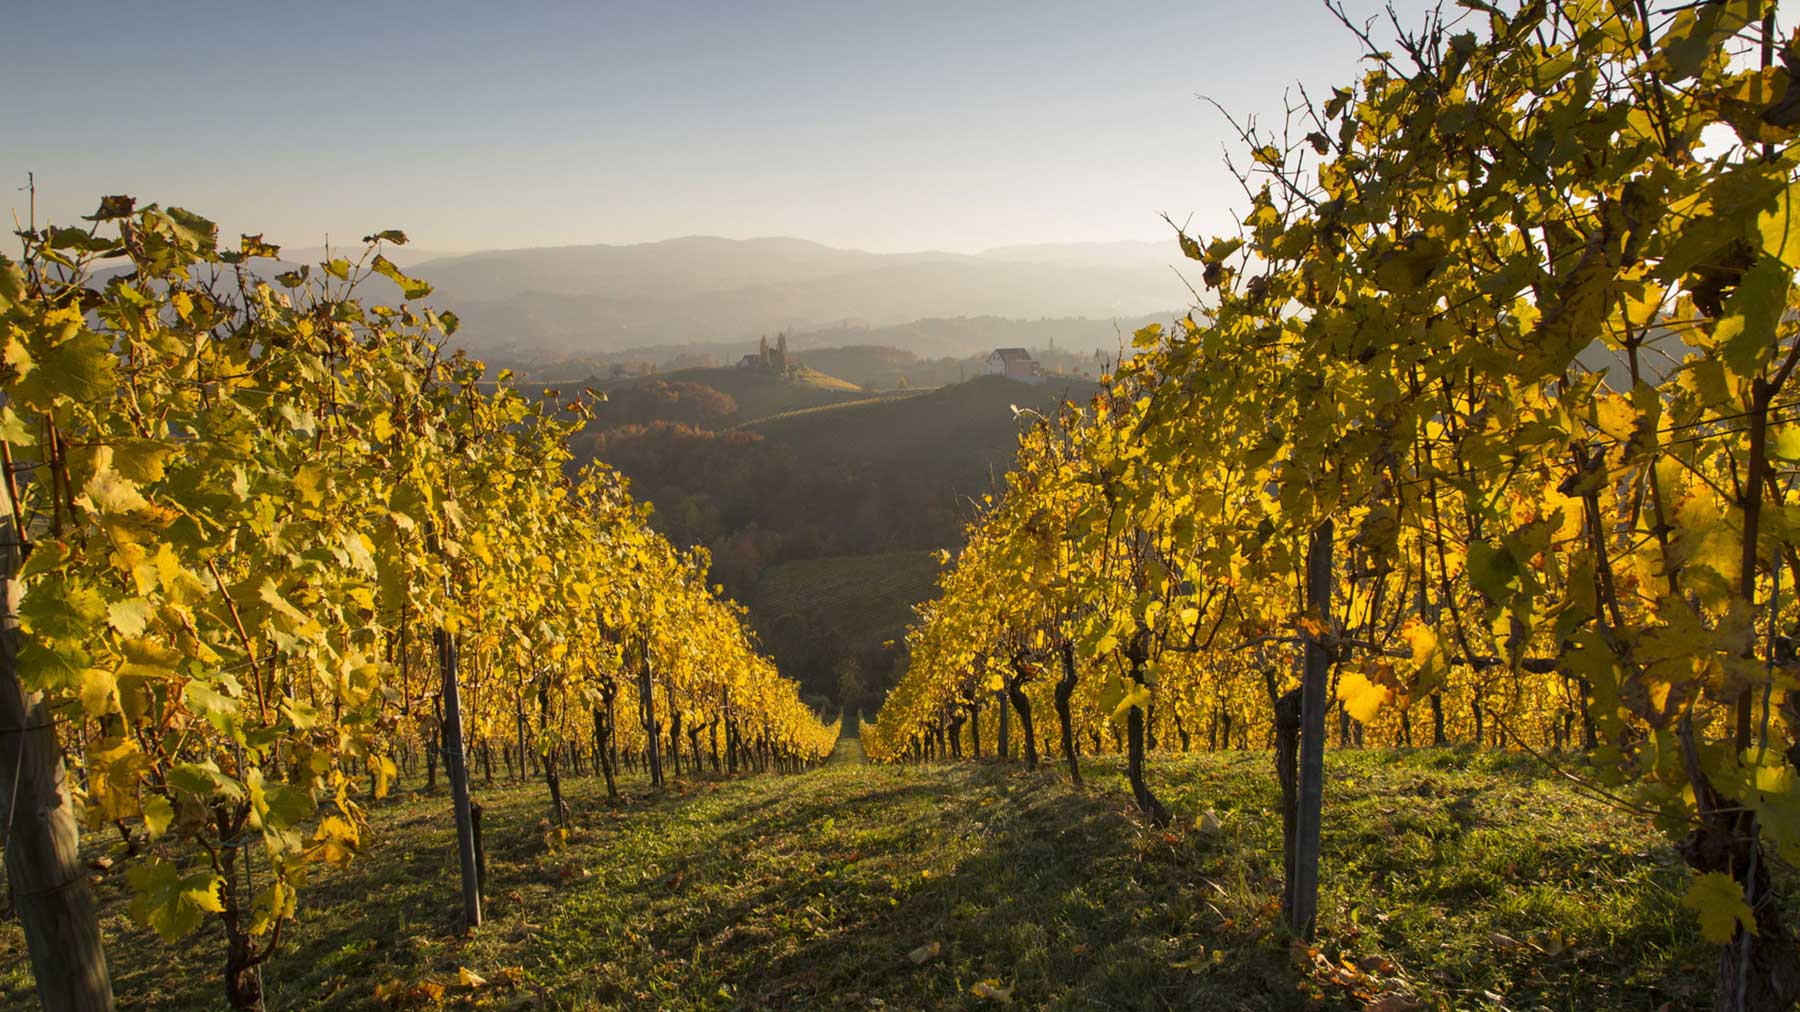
(1015, 363)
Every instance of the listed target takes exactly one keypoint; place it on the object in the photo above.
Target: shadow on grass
(809, 892)
(1047, 892)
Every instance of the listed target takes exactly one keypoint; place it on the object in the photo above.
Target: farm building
(1015, 363)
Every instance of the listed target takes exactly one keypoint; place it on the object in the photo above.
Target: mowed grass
(1451, 881)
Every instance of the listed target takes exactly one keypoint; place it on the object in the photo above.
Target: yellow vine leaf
(1719, 901)
(1361, 697)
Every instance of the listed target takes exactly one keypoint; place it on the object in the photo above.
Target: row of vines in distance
(1487, 432)
(264, 537)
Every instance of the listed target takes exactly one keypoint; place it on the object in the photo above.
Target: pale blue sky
(885, 126)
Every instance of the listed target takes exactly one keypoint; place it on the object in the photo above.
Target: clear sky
(881, 125)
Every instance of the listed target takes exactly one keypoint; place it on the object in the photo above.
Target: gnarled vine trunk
(1065, 688)
(1138, 653)
(603, 746)
(1134, 768)
(552, 775)
(1015, 691)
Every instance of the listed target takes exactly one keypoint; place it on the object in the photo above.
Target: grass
(1451, 881)
(826, 409)
(759, 394)
(970, 425)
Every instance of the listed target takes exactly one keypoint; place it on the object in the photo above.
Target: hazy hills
(929, 352)
(570, 301)
(402, 256)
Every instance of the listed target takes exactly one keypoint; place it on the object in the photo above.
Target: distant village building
(768, 359)
(1015, 363)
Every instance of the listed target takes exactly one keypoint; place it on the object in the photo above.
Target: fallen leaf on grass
(469, 978)
(924, 953)
(1200, 960)
(992, 991)
(398, 994)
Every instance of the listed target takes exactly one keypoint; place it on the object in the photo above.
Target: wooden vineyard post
(730, 736)
(37, 814)
(1005, 719)
(1303, 914)
(519, 721)
(480, 852)
(457, 768)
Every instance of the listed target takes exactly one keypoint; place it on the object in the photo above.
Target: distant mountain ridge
(402, 256)
(568, 301)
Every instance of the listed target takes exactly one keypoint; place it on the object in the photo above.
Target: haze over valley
(855, 457)
(567, 302)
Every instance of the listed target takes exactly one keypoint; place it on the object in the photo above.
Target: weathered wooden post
(1308, 818)
(456, 768)
(43, 865)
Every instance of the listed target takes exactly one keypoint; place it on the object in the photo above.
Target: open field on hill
(1451, 881)
(817, 409)
(969, 422)
(757, 394)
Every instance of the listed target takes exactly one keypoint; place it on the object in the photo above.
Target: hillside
(882, 366)
(965, 429)
(1451, 881)
(752, 395)
(846, 472)
(828, 619)
(841, 474)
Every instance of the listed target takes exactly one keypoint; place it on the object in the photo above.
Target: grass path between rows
(1451, 881)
